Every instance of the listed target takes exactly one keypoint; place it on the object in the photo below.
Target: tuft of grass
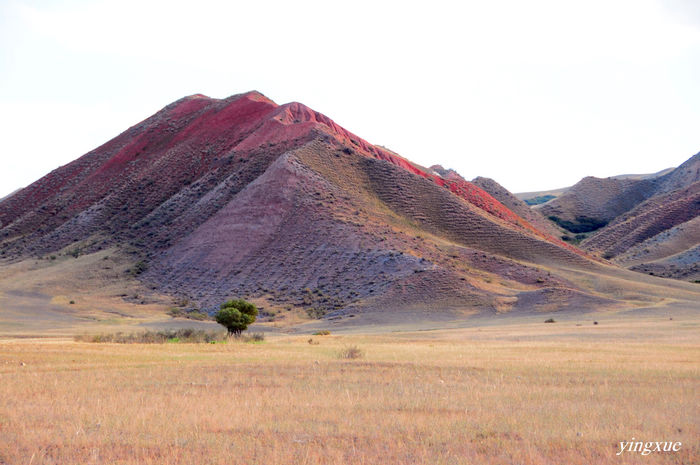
(350, 353)
(188, 335)
(323, 332)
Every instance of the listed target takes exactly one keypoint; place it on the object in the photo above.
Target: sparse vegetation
(315, 313)
(550, 320)
(582, 224)
(196, 315)
(323, 332)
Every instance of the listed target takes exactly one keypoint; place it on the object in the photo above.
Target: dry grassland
(492, 396)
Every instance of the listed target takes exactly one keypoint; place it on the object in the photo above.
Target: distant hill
(594, 202)
(539, 197)
(659, 236)
(636, 220)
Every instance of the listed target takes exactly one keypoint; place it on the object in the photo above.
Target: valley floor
(516, 393)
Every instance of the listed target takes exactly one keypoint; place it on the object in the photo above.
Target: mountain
(240, 197)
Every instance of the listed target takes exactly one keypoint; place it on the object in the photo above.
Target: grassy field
(520, 394)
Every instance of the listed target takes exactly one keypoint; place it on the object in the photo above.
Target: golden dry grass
(500, 395)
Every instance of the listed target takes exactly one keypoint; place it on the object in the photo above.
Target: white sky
(535, 94)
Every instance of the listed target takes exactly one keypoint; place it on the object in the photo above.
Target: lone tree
(236, 315)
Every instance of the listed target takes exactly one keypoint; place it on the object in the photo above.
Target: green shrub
(236, 315)
(550, 320)
(323, 332)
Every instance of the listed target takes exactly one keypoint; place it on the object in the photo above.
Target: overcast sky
(535, 94)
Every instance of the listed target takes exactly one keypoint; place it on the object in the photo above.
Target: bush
(138, 268)
(253, 337)
(550, 320)
(236, 315)
(323, 332)
(351, 352)
(315, 313)
(156, 337)
(190, 315)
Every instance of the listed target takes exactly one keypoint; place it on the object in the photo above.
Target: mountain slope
(516, 205)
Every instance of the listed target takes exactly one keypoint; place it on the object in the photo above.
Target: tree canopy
(236, 315)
